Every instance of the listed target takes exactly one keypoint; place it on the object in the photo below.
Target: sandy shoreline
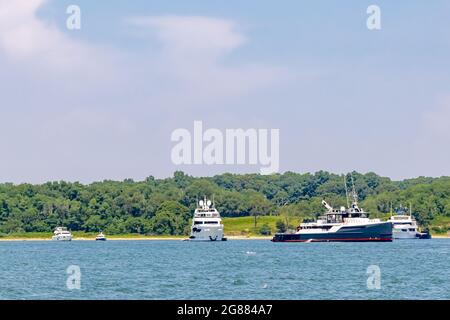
(157, 238)
(133, 239)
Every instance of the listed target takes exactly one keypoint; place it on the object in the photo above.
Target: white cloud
(24, 37)
(73, 110)
(20, 31)
(193, 53)
(193, 37)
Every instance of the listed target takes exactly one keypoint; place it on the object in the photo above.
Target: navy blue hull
(381, 232)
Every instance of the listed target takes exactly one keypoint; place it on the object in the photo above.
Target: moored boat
(340, 225)
(404, 226)
(206, 223)
(61, 234)
(100, 237)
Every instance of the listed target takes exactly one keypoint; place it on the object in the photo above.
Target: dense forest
(164, 206)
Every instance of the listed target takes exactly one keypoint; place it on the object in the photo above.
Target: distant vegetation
(164, 206)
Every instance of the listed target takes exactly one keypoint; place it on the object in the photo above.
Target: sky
(101, 102)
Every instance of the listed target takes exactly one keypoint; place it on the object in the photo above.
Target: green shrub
(281, 226)
(265, 230)
(439, 229)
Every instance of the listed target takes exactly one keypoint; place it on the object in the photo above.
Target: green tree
(265, 230)
(281, 226)
(94, 224)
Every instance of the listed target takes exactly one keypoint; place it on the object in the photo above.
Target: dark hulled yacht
(344, 224)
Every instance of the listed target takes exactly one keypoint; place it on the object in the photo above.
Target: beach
(148, 238)
(156, 238)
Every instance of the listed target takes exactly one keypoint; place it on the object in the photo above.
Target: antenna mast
(346, 190)
(355, 196)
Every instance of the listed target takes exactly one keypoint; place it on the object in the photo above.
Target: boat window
(412, 229)
(404, 230)
(211, 222)
(198, 222)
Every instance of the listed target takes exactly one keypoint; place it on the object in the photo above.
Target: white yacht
(100, 237)
(62, 234)
(206, 224)
(343, 224)
(404, 226)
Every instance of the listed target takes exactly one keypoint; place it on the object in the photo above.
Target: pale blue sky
(101, 102)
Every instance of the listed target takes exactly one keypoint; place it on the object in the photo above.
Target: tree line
(164, 206)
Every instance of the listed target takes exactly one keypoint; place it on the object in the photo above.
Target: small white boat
(61, 234)
(100, 237)
(404, 226)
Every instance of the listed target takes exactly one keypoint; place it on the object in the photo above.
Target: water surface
(240, 269)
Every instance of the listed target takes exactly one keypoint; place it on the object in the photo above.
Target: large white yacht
(206, 224)
(342, 224)
(404, 226)
(62, 234)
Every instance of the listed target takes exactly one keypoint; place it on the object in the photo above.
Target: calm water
(410, 269)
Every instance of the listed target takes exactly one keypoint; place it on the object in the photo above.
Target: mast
(355, 196)
(346, 190)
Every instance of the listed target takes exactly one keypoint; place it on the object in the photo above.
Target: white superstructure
(206, 224)
(100, 237)
(404, 226)
(62, 234)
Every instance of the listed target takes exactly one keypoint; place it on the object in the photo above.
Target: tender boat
(404, 226)
(206, 224)
(343, 225)
(100, 237)
(61, 234)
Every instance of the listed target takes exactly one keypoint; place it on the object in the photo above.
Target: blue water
(247, 269)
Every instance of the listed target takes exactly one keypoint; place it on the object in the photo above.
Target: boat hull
(423, 235)
(207, 233)
(59, 238)
(405, 235)
(209, 239)
(379, 232)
